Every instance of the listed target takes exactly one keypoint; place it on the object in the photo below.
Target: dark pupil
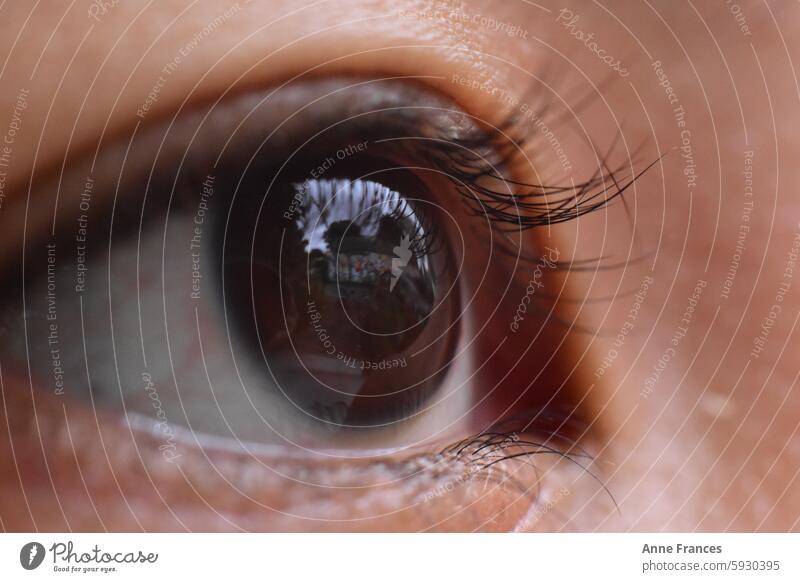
(343, 300)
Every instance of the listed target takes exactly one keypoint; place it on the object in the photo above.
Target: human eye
(325, 301)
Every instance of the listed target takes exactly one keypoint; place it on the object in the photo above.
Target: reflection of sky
(363, 202)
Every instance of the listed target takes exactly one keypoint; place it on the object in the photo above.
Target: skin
(711, 445)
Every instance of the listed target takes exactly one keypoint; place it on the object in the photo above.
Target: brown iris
(347, 294)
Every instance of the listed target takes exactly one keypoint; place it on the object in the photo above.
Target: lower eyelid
(85, 471)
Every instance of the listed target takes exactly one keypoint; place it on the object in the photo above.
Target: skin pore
(688, 402)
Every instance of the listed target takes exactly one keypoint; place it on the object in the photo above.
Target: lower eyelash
(522, 438)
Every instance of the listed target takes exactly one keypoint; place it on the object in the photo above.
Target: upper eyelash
(487, 449)
(521, 205)
(476, 160)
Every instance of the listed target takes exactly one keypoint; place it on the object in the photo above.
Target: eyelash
(485, 155)
(509, 445)
(475, 166)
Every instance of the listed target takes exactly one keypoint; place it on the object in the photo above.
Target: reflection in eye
(350, 300)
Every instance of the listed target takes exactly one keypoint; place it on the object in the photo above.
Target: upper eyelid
(407, 105)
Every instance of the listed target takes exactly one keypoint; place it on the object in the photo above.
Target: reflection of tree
(338, 230)
(389, 233)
